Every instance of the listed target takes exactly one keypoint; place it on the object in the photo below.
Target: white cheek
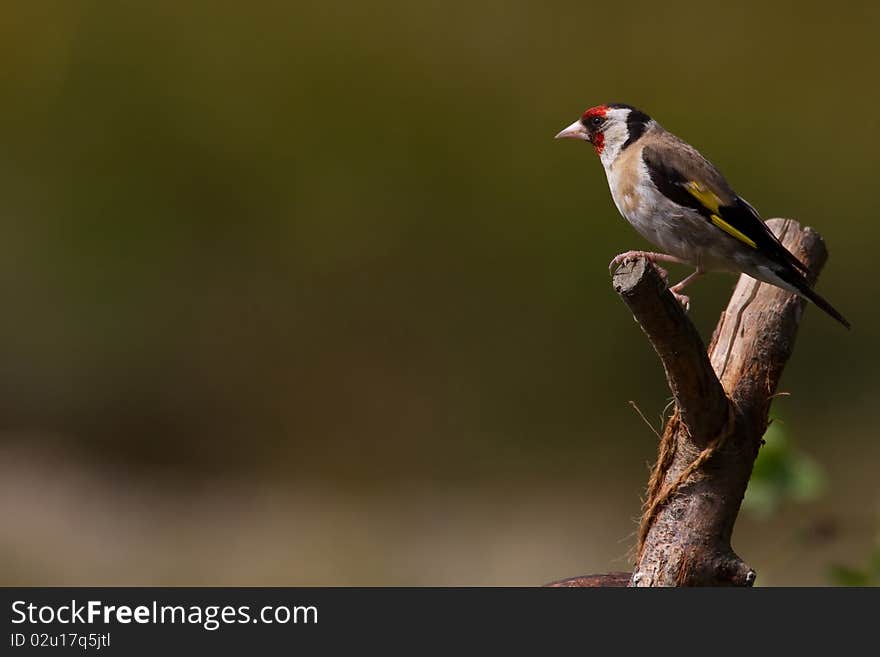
(614, 138)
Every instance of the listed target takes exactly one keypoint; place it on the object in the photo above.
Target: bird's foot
(676, 289)
(683, 299)
(647, 255)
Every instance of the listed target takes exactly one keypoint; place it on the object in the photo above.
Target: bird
(679, 201)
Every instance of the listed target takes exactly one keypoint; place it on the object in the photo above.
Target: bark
(722, 400)
(605, 580)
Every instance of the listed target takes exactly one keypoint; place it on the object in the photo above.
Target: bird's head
(609, 128)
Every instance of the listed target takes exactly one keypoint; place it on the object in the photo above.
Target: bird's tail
(802, 287)
(811, 294)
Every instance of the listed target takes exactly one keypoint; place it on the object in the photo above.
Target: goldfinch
(676, 199)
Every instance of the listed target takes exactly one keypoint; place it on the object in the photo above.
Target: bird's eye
(596, 121)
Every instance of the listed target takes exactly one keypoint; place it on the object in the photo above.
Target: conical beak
(575, 131)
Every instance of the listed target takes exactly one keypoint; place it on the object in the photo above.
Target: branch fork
(722, 401)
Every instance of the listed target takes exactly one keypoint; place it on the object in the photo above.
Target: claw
(622, 258)
(678, 287)
(616, 261)
(683, 299)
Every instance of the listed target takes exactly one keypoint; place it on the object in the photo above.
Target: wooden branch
(722, 401)
(695, 388)
(749, 361)
(605, 580)
(698, 483)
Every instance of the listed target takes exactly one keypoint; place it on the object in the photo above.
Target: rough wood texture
(605, 580)
(703, 468)
(722, 401)
(694, 386)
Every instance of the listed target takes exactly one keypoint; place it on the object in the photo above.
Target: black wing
(684, 176)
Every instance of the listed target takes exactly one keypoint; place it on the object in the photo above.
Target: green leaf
(847, 576)
(781, 474)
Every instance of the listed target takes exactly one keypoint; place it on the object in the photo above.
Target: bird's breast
(642, 205)
(628, 189)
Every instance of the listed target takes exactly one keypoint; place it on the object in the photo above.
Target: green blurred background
(306, 293)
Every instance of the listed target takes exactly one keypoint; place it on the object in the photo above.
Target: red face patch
(597, 138)
(599, 110)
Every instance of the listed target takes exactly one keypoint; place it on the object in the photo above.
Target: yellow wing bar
(730, 230)
(712, 203)
(705, 196)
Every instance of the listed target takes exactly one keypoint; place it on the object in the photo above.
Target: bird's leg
(676, 289)
(649, 256)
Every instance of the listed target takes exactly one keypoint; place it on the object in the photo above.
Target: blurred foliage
(340, 240)
(782, 473)
(866, 575)
(336, 242)
(785, 474)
